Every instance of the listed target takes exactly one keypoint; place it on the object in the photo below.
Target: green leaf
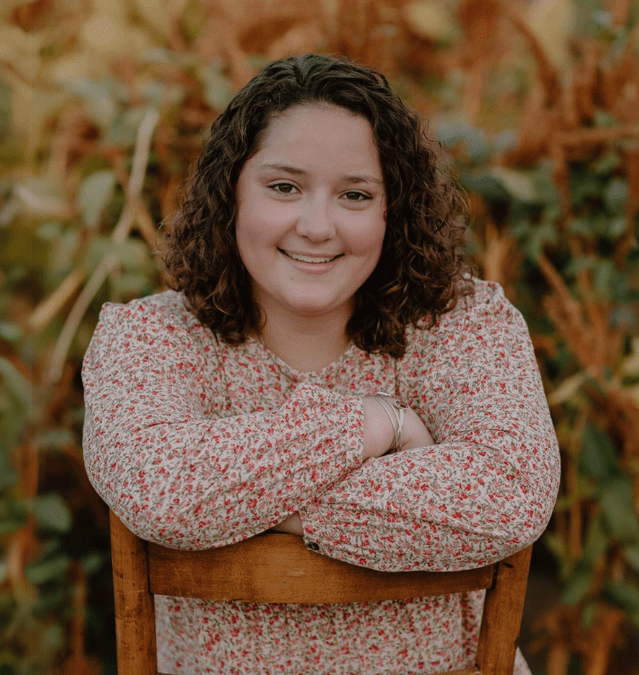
(133, 254)
(158, 94)
(540, 236)
(584, 185)
(53, 637)
(56, 439)
(505, 141)
(631, 554)
(555, 545)
(616, 194)
(95, 251)
(8, 475)
(615, 227)
(605, 275)
(17, 409)
(518, 184)
(14, 516)
(548, 192)
(624, 595)
(49, 569)
(460, 133)
(597, 458)
(10, 332)
(568, 388)
(125, 127)
(49, 231)
(51, 512)
(162, 56)
(16, 383)
(485, 185)
(94, 561)
(217, 89)
(10, 526)
(131, 285)
(100, 98)
(157, 55)
(607, 163)
(585, 262)
(94, 194)
(597, 541)
(578, 584)
(581, 226)
(588, 615)
(617, 509)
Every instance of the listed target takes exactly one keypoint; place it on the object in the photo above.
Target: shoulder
(147, 319)
(485, 310)
(486, 302)
(156, 328)
(159, 310)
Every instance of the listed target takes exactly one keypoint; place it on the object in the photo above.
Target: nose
(315, 221)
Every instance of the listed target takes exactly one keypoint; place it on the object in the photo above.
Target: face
(310, 221)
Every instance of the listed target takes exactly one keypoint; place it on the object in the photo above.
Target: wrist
(395, 411)
(379, 433)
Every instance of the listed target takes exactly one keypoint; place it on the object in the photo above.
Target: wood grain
(278, 568)
(134, 608)
(501, 618)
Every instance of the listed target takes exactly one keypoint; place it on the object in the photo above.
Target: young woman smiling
(326, 366)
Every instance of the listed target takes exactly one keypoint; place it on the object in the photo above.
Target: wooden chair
(278, 568)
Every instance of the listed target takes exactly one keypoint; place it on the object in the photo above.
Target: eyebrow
(360, 178)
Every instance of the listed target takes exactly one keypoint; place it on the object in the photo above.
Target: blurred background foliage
(104, 105)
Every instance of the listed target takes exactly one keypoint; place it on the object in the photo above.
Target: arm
(377, 438)
(486, 489)
(173, 468)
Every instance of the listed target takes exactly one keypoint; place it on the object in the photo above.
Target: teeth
(308, 259)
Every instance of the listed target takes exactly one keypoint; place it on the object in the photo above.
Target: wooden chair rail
(278, 568)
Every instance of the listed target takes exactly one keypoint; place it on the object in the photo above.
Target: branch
(48, 308)
(110, 260)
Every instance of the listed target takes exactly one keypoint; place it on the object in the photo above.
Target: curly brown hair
(421, 272)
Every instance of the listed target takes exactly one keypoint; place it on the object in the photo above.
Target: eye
(283, 188)
(355, 196)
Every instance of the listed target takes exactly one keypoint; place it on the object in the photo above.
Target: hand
(292, 525)
(379, 433)
(415, 434)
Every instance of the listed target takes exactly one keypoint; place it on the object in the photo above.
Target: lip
(313, 259)
(312, 268)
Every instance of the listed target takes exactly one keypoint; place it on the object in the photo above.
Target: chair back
(278, 568)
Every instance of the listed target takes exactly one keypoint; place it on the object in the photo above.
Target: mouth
(313, 259)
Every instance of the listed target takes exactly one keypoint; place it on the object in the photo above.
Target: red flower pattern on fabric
(197, 444)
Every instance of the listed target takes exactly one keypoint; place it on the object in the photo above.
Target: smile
(316, 260)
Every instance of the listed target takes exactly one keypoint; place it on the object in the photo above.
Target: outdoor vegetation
(103, 107)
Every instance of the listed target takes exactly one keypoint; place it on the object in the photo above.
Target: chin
(313, 308)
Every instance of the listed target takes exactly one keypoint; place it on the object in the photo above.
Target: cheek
(247, 237)
(373, 239)
(249, 228)
(260, 222)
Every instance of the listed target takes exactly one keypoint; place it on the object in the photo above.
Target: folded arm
(178, 473)
(485, 489)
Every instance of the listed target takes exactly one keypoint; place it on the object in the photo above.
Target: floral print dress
(195, 444)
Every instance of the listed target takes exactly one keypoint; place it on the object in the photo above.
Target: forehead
(323, 129)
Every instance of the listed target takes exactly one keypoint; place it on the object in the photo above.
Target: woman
(316, 264)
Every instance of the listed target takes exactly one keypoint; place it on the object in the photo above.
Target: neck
(306, 343)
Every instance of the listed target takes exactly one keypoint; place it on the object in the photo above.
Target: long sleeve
(487, 487)
(169, 460)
